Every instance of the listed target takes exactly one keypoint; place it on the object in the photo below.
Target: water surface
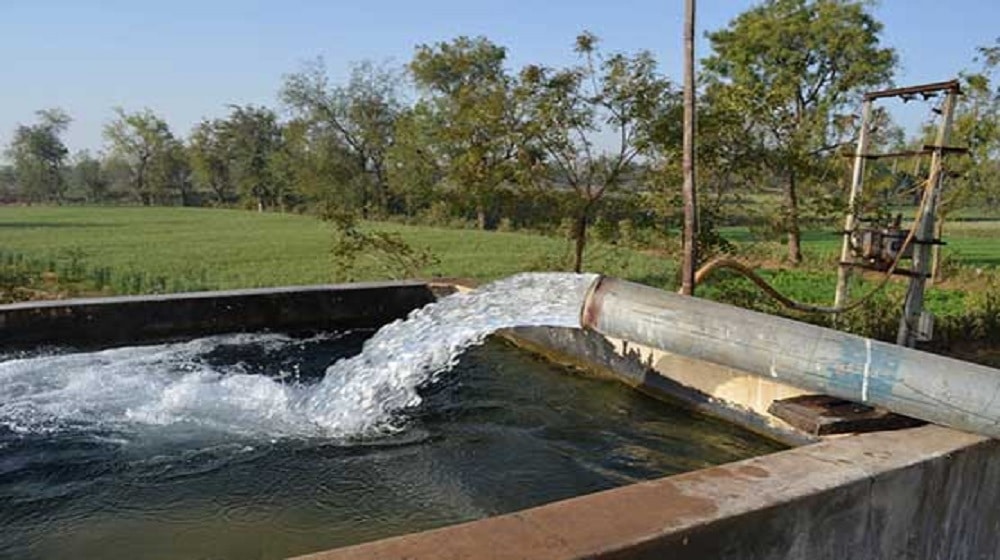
(161, 463)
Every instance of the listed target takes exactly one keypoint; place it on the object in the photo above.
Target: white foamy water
(170, 386)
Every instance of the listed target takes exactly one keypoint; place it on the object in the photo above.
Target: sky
(189, 59)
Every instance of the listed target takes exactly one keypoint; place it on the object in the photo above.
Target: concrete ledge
(922, 493)
(118, 320)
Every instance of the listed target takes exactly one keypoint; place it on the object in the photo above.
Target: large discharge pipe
(934, 388)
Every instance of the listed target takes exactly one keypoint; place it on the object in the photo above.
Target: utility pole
(877, 251)
(924, 236)
(857, 178)
(689, 192)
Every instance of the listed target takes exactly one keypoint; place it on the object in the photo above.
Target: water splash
(360, 393)
(122, 389)
(126, 389)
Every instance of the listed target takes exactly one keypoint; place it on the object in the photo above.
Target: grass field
(198, 248)
(181, 249)
(972, 243)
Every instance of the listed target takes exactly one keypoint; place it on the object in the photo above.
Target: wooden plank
(823, 415)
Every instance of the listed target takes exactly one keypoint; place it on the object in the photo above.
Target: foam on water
(169, 386)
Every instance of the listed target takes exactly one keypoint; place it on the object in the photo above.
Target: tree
(360, 252)
(171, 172)
(564, 112)
(255, 138)
(142, 141)
(320, 170)
(210, 156)
(790, 66)
(39, 156)
(8, 183)
(88, 177)
(729, 157)
(471, 107)
(976, 176)
(361, 115)
(977, 126)
(413, 168)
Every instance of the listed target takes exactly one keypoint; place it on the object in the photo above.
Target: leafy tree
(974, 178)
(473, 126)
(413, 168)
(977, 126)
(789, 66)
(8, 183)
(319, 168)
(39, 156)
(142, 141)
(358, 252)
(88, 177)
(119, 175)
(566, 110)
(171, 172)
(360, 115)
(255, 139)
(210, 156)
(728, 167)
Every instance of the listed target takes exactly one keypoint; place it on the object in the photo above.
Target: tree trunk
(220, 194)
(140, 182)
(381, 190)
(481, 217)
(365, 201)
(187, 196)
(260, 204)
(792, 221)
(580, 236)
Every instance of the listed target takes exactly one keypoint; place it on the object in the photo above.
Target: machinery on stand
(881, 245)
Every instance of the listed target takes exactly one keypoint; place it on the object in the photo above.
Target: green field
(199, 248)
(973, 243)
(140, 250)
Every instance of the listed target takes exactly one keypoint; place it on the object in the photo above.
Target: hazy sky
(188, 59)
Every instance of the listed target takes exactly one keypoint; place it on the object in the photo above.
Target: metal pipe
(934, 388)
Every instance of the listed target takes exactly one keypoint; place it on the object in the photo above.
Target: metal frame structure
(922, 232)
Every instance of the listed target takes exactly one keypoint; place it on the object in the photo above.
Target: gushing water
(126, 389)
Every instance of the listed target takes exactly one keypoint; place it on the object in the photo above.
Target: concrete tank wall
(123, 320)
(925, 492)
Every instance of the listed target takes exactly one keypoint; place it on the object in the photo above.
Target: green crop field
(135, 250)
(973, 243)
(199, 248)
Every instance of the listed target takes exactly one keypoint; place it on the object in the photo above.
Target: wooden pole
(907, 335)
(857, 180)
(689, 191)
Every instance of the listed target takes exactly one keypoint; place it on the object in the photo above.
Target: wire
(735, 265)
